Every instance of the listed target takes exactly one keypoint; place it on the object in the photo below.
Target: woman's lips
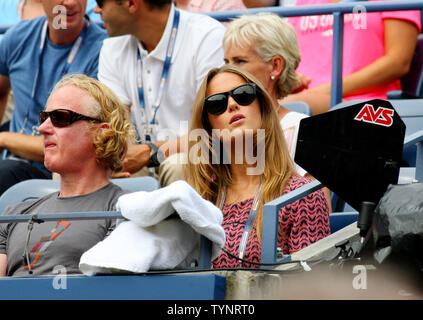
(236, 118)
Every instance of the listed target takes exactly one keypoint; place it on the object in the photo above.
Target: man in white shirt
(133, 63)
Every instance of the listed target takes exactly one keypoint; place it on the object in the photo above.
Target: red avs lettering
(382, 116)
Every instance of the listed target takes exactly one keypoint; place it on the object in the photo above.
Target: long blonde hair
(209, 179)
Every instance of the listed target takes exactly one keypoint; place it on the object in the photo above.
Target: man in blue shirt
(34, 55)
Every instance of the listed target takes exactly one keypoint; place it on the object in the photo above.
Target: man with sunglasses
(155, 60)
(34, 55)
(85, 133)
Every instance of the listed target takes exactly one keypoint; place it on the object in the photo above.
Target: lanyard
(69, 60)
(166, 67)
(248, 224)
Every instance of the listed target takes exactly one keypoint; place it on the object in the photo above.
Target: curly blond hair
(111, 144)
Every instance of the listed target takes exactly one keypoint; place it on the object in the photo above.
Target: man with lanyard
(155, 61)
(34, 55)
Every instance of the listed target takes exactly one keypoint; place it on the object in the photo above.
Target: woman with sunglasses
(232, 99)
(85, 135)
(266, 45)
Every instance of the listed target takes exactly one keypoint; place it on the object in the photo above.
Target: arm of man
(400, 43)
(3, 264)
(23, 145)
(4, 94)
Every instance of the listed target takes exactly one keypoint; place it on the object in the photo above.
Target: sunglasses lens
(216, 104)
(43, 117)
(60, 118)
(244, 95)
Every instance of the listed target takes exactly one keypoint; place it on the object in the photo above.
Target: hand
(121, 174)
(302, 83)
(137, 157)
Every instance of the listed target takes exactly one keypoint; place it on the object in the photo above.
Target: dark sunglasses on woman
(63, 117)
(243, 95)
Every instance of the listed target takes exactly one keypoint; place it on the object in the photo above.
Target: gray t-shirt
(57, 243)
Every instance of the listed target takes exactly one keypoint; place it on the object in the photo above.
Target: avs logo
(382, 116)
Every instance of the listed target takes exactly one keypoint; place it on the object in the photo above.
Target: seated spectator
(232, 100)
(266, 45)
(378, 50)
(15, 10)
(31, 73)
(85, 136)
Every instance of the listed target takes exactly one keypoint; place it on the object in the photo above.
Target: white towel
(147, 241)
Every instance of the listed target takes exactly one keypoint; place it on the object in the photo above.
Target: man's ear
(104, 125)
(277, 64)
(133, 5)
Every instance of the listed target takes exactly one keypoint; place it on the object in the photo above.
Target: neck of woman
(280, 109)
(243, 186)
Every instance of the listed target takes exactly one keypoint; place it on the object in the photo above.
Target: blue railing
(338, 10)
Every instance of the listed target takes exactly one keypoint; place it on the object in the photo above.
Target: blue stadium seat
(339, 220)
(298, 106)
(36, 188)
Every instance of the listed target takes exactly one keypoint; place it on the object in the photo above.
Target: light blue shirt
(19, 59)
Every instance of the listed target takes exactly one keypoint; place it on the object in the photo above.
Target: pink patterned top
(300, 224)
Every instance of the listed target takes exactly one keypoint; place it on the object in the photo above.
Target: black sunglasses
(218, 103)
(63, 117)
(100, 3)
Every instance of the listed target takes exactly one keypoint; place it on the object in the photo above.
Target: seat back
(37, 188)
(298, 106)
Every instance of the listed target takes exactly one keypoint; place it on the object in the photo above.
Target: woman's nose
(232, 104)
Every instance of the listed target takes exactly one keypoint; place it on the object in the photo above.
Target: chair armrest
(270, 219)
